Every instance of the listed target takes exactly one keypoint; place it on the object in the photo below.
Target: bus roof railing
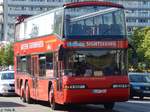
(105, 11)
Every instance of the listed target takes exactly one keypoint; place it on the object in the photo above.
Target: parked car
(7, 83)
(139, 84)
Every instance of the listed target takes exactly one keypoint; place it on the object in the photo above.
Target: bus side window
(49, 65)
(24, 64)
(42, 65)
(18, 64)
(55, 64)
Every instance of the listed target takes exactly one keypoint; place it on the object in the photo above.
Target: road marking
(133, 101)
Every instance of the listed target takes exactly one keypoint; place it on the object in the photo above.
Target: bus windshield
(95, 62)
(94, 21)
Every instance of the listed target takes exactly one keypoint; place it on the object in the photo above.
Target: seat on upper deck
(104, 29)
(76, 29)
(115, 29)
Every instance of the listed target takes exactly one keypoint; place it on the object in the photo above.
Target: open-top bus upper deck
(81, 20)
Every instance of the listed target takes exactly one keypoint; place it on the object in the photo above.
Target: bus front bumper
(95, 96)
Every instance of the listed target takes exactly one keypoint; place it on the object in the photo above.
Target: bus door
(42, 79)
(34, 72)
(58, 66)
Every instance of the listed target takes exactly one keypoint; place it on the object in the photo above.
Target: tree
(145, 46)
(9, 55)
(1, 56)
(6, 55)
(141, 42)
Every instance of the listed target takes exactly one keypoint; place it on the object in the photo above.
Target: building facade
(137, 12)
(14, 8)
(1, 19)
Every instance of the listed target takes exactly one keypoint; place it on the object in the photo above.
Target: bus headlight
(120, 86)
(75, 86)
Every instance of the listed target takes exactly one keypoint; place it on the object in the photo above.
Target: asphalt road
(14, 104)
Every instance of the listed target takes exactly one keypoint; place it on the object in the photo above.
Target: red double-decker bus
(76, 54)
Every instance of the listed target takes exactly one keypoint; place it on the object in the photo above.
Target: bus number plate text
(99, 91)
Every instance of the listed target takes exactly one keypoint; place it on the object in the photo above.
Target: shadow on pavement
(84, 108)
(10, 104)
(7, 96)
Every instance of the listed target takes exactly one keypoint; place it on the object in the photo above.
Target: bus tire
(141, 97)
(22, 94)
(27, 93)
(53, 104)
(109, 106)
(131, 96)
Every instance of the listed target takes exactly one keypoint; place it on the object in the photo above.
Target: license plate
(99, 91)
(146, 91)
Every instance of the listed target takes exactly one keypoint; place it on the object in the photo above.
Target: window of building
(19, 0)
(130, 29)
(23, 8)
(131, 19)
(54, 0)
(143, 12)
(11, 26)
(143, 20)
(145, 2)
(37, 0)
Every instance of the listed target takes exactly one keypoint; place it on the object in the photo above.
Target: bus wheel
(109, 106)
(53, 104)
(27, 93)
(141, 97)
(131, 96)
(22, 94)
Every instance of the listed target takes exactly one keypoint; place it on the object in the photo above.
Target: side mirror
(134, 59)
(61, 53)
